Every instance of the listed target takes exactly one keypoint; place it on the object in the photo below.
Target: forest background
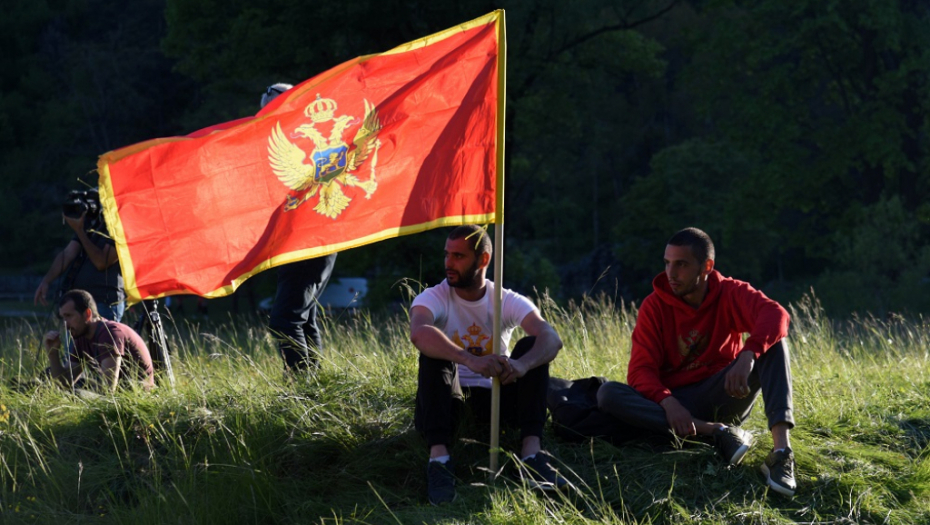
(795, 133)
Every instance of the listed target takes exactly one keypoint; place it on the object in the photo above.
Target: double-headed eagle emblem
(474, 343)
(330, 165)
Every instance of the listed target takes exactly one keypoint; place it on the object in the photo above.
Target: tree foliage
(795, 133)
(78, 78)
(821, 106)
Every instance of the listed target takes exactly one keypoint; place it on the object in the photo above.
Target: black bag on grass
(575, 416)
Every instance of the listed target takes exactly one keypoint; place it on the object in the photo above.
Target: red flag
(380, 146)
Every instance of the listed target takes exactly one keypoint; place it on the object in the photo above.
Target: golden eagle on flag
(331, 161)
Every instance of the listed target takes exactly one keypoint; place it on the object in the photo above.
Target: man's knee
(523, 346)
(779, 350)
(775, 362)
(610, 394)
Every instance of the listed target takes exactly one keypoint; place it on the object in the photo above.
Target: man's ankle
(438, 451)
(531, 445)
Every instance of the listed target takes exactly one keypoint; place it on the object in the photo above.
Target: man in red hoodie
(691, 373)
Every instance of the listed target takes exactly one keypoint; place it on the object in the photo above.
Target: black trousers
(293, 315)
(707, 399)
(441, 401)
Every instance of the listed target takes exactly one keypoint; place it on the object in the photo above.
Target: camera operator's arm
(62, 261)
(102, 258)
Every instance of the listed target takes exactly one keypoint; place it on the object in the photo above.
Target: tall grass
(238, 442)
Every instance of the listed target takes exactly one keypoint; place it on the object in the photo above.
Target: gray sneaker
(440, 482)
(733, 443)
(779, 472)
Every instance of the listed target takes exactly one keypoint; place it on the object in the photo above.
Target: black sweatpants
(440, 399)
(707, 399)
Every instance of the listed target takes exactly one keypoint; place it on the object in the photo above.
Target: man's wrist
(466, 357)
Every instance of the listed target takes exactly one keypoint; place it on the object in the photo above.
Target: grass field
(237, 443)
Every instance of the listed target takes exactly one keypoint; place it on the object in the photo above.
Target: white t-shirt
(470, 324)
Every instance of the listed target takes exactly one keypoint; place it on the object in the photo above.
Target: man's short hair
(478, 235)
(699, 242)
(82, 300)
(273, 91)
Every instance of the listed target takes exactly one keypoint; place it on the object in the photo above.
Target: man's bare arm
(102, 258)
(61, 262)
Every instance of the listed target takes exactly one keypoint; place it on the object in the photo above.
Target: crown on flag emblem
(331, 165)
(321, 109)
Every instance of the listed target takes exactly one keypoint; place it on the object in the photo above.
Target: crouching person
(451, 325)
(115, 350)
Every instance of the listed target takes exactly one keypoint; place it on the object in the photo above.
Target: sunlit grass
(237, 442)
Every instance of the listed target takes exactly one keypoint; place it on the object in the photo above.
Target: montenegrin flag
(381, 146)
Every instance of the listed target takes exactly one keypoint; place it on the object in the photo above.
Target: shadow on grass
(917, 433)
(649, 482)
(82, 458)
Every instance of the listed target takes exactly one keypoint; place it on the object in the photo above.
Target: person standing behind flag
(296, 301)
(691, 372)
(451, 324)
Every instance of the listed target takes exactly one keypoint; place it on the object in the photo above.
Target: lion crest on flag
(331, 165)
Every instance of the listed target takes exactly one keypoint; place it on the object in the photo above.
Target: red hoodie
(675, 344)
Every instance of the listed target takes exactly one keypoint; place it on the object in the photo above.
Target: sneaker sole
(545, 487)
(739, 454)
(534, 484)
(775, 486)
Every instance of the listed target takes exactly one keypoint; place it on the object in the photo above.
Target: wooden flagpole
(499, 234)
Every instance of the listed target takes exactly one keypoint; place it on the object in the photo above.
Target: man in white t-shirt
(451, 324)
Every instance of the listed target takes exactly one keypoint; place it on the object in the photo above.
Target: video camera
(82, 202)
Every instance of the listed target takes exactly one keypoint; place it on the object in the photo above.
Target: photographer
(89, 259)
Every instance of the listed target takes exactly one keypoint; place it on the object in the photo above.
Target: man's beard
(75, 334)
(467, 279)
